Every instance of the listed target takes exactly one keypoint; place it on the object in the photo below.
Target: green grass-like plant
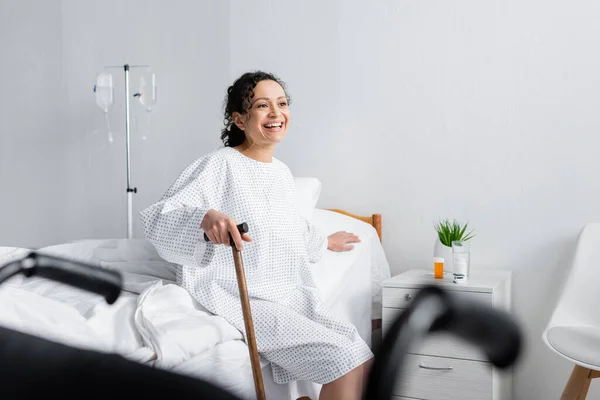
(449, 232)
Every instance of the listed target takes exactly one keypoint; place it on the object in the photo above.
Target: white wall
(185, 42)
(32, 137)
(483, 111)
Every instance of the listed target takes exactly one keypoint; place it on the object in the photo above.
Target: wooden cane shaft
(253, 350)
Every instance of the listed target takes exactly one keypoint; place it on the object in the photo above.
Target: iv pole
(130, 190)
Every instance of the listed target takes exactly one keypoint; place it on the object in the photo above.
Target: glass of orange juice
(438, 267)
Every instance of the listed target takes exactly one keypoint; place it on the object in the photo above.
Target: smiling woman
(256, 120)
(243, 182)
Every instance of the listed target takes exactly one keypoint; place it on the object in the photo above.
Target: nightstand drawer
(457, 380)
(435, 344)
(398, 297)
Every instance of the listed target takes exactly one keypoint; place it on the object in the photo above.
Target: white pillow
(135, 256)
(308, 190)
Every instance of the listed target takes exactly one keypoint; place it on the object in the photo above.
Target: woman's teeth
(277, 125)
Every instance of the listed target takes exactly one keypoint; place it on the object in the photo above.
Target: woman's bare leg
(352, 385)
(366, 368)
(346, 387)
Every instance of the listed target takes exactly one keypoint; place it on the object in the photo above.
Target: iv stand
(130, 190)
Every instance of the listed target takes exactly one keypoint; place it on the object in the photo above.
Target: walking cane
(251, 338)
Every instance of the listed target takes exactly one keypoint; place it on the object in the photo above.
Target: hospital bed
(156, 323)
(29, 364)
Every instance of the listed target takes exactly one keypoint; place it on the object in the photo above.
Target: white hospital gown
(294, 331)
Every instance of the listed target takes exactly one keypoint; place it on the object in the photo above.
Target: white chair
(574, 328)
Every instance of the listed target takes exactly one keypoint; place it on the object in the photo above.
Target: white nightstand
(443, 367)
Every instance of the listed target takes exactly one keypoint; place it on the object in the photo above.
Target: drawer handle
(407, 296)
(421, 365)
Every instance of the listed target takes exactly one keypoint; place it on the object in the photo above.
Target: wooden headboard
(374, 219)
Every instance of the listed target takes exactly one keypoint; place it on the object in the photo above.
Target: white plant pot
(440, 250)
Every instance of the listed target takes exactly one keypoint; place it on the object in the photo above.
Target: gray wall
(483, 111)
(32, 134)
(186, 43)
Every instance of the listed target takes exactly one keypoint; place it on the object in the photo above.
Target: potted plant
(448, 232)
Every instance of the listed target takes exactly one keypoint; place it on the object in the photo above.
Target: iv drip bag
(104, 91)
(148, 90)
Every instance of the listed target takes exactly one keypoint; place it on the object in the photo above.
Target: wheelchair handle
(104, 282)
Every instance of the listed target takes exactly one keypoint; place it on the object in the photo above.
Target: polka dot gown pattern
(294, 331)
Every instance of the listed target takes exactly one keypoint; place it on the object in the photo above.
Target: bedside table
(442, 367)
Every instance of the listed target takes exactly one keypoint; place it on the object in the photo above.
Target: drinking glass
(461, 261)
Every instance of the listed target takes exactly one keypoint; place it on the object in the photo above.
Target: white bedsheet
(156, 322)
(368, 255)
(162, 325)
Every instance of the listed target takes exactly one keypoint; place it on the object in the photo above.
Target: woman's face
(266, 122)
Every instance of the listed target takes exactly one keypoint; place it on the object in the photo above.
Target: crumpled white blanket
(176, 327)
(162, 325)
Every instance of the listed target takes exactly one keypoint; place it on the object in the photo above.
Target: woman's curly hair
(238, 99)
